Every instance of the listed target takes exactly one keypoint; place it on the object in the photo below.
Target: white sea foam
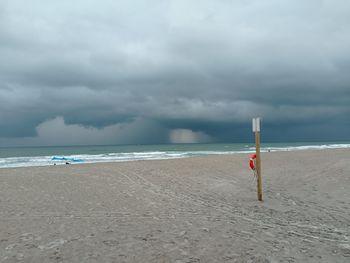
(306, 147)
(151, 155)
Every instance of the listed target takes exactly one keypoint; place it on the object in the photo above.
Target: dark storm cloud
(200, 71)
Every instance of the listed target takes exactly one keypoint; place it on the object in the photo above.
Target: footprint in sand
(53, 244)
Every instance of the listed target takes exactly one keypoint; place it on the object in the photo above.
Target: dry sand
(185, 210)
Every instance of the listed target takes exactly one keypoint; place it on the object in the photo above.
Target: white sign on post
(256, 124)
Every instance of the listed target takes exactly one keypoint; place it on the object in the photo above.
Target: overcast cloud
(160, 71)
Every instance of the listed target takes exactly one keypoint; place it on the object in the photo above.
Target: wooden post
(256, 129)
(258, 165)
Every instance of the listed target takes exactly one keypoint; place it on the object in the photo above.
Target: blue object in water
(74, 160)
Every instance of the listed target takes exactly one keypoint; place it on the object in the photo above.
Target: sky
(173, 71)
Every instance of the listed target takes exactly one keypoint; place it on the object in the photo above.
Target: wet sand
(201, 209)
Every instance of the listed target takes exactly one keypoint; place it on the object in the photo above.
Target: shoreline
(172, 158)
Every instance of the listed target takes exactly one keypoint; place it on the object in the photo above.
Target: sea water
(42, 156)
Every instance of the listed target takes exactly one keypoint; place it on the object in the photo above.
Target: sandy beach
(201, 209)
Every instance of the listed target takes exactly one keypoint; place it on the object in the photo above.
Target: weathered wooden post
(256, 129)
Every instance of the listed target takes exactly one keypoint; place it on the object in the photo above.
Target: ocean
(43, 156)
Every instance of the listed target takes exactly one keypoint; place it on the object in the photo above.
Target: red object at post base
(251, 161)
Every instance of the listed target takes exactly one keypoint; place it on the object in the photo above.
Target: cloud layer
(205, 68)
